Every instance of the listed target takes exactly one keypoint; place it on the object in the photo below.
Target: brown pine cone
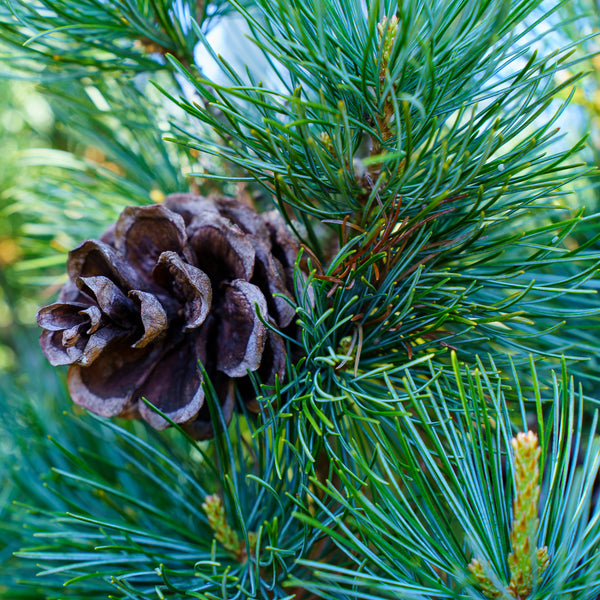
(167, 287)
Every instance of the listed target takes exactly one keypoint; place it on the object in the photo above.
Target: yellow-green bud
(484, 582)
(525, 564)
(224, 534)
(387, 29)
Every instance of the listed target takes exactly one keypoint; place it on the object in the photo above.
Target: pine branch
(432, 216)
(442, 144)
(92, 38)
(122, 511)
(440, 488)
(415, 154)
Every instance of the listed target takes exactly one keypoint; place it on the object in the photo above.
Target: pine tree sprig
(91, 38)
(526, 563)
(121, 511)
(441, 476)
(445, 274)
(293, 114)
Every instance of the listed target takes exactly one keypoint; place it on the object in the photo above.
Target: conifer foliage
(351, 251)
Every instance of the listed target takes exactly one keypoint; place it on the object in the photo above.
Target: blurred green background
(26, 121)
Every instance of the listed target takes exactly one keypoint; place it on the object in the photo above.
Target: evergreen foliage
(446, 302)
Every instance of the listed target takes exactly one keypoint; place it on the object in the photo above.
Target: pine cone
(167, 287)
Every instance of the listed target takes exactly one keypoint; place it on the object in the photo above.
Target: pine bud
(224, 534)
(387, 29)
(524, 565)
(525, 522)
(483, 581)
